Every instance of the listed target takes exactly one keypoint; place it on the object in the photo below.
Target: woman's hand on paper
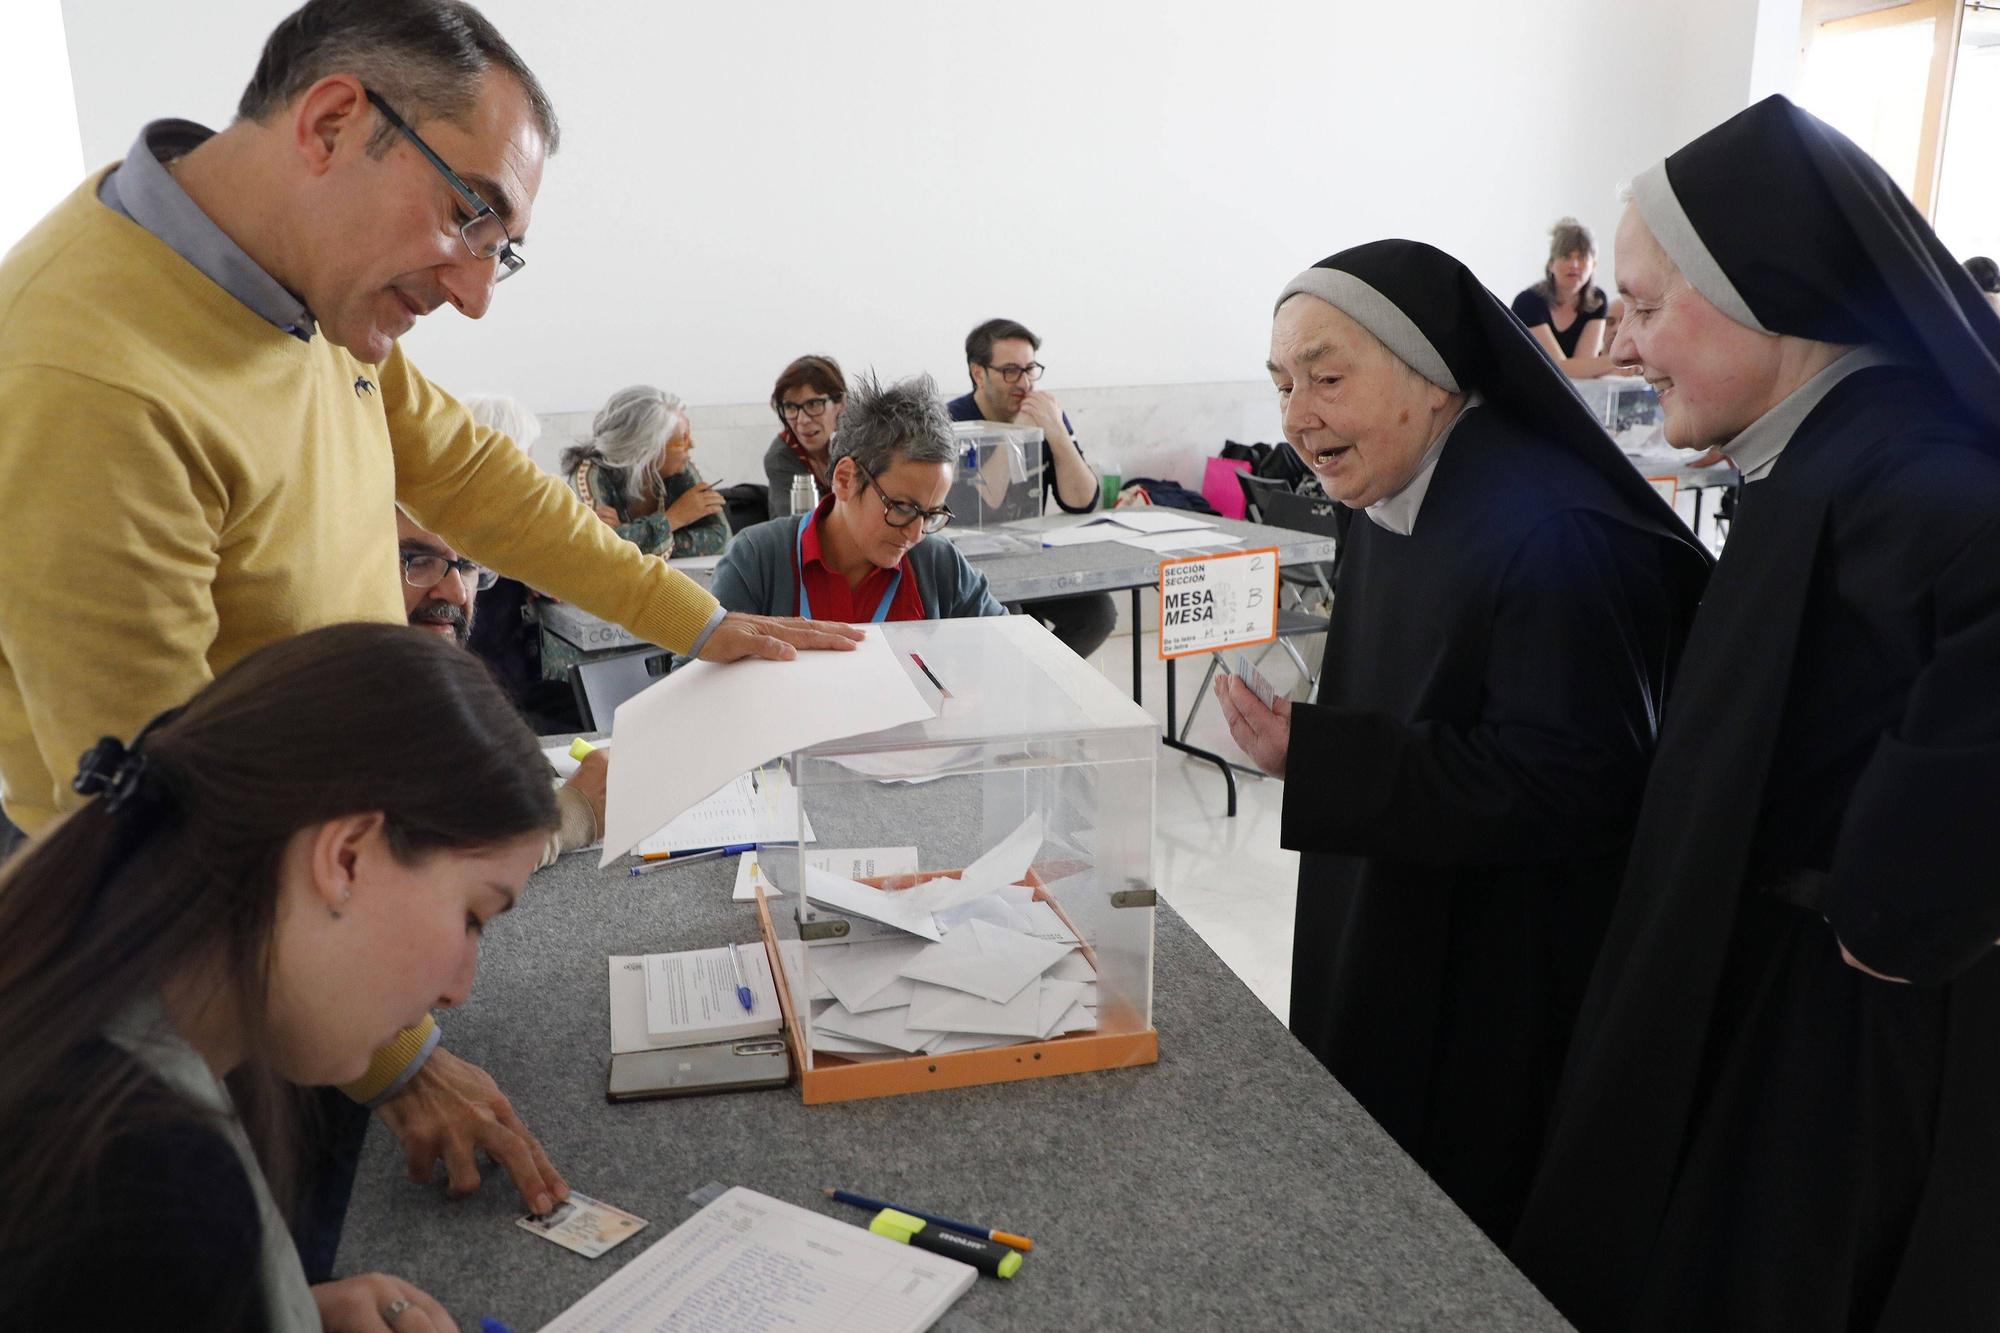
(1265, 734)
(742, 635)
(360, 1304)
(451, 1109)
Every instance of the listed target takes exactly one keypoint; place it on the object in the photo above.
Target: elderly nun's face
(1354, 413)
(1713, 375)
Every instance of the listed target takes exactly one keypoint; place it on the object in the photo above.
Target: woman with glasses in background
(807, 398)
(861, 556)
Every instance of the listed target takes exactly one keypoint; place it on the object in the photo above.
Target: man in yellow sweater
(206, 424)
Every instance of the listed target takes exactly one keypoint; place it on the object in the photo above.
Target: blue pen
(742, 982)
(491, 1325)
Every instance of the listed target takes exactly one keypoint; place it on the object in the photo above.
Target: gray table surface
(1054, 571)
(1232, 1185)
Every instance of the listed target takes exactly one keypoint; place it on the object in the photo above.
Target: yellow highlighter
(988, 1256)
(580, 747)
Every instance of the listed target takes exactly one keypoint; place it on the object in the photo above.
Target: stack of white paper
(967, 962)
(684, 737)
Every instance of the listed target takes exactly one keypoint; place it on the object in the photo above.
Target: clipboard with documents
(752, 1263)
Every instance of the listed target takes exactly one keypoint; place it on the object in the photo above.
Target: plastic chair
(603, 683)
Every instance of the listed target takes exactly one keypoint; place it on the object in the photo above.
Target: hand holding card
(583, 1224)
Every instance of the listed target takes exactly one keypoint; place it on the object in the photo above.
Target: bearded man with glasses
(1000, 359)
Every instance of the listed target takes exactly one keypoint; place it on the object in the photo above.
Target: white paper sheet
(949, 1042)
(1058, 998)
(857, 973)
(687, 562)
(1179, 540)
(766, 810)
(692, 996)
(688, 734)
(883, 1027)
(1079, 536)
(942, 1009)
(847, 862)
(902, 910)
(756, 1264)
(985, 960)
(1072, 967)
(1153, 518)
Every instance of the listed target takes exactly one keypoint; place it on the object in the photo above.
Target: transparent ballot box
(998, 476)
(970, 897)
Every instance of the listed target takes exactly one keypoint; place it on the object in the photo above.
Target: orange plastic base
(838, 1080)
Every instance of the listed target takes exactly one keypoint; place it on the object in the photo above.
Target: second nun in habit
(1512, 600)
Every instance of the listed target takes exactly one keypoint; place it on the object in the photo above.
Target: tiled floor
(1227, 877)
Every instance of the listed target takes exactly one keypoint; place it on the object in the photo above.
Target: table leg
(1137, 659)
(1228, 774)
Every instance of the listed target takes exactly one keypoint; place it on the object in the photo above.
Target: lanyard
(805, 598)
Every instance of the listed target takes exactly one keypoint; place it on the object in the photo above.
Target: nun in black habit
(1512, 599)
(1782, 1109)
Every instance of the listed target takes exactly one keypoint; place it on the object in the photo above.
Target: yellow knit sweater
(182, 483)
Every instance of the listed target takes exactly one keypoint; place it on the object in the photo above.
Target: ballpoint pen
(742, 982)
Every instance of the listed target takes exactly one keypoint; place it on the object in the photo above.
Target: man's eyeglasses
(484, 234)
(811, 407)
(1012, 374)
(901, 513)
(427, 571)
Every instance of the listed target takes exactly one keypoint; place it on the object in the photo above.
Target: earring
(334, 912)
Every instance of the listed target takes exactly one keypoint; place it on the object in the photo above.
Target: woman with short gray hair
(864, 554)
(635, 471)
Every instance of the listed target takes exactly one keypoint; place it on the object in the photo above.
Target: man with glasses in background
(1000, 358)
(205, 409)
(439, 595)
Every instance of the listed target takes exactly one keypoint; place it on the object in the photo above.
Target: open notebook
(749, 1262)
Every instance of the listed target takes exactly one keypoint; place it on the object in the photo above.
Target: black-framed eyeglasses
(1012, 373)
(811, 407)
(901, 513)
(427, 571)
(484, 234)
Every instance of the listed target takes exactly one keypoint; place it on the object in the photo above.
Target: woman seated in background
(807, 399)
(862, 555)
(1565, 310)
(261, 893)
(635, 471)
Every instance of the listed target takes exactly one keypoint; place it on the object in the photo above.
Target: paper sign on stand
(1208, 602)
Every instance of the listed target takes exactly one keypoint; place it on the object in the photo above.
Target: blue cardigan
(755, 575)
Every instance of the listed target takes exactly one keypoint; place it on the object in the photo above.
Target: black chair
(605, 682)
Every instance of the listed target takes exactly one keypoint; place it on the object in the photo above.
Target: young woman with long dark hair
(270, 882)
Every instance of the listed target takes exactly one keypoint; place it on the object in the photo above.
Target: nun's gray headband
(1661, 210)
(1377, 314)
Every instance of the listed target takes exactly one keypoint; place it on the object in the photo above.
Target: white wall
(1134, 180)
(35, 91)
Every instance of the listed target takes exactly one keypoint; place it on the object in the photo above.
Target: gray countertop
(1232, 1185)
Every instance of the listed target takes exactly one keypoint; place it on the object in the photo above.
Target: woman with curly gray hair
(635, 471)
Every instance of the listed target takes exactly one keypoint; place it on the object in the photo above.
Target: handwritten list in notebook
(749, 1262)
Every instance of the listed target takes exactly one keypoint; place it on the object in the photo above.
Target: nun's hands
(1265, 734)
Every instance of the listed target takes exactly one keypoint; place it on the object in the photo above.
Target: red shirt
(829, 594)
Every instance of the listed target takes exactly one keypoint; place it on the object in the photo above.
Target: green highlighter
(988, 1256)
